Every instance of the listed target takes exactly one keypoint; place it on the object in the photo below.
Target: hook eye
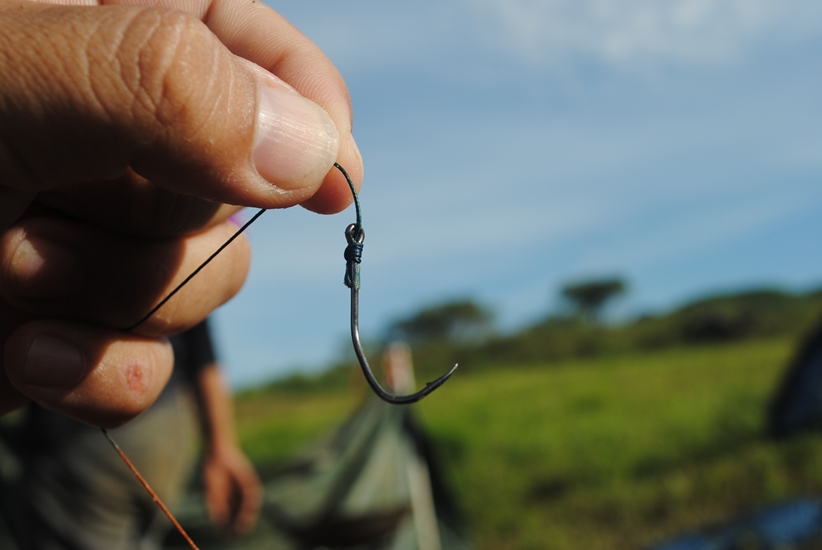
(354, 233)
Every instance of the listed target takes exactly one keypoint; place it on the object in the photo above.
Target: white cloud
(488, 40)
(626, 31)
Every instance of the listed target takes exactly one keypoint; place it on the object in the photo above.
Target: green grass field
(610, 452)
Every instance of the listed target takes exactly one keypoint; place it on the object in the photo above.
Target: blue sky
(514, 145)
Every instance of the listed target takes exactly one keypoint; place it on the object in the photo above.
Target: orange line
(150, 491)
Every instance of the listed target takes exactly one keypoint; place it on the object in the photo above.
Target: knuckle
(159, 59)
(175, 63)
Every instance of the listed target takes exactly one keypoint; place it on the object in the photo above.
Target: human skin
(233, 491)
(129, 133)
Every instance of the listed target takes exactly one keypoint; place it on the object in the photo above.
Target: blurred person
(375, 482)
(398, 368)
(126, 131)
(72, 491)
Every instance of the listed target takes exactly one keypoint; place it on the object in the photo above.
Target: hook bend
(369, 375)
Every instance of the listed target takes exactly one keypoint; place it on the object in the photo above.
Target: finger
(253, 31)
(250, 501)
(218, 494)
(10, 398)
(97, 376)
(104, 89)
(52, 267)
(13, 202)
(257, 33)
(134, 205)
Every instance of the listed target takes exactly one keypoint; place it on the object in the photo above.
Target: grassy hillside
(605, 452)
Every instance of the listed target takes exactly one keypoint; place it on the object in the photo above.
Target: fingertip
(98, 376)
(335, 193)
(296, 140)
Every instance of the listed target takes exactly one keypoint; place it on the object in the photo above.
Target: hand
(125, 130)
(233, 491)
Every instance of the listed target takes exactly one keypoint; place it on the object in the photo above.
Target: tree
(459, 320)
(589, 297)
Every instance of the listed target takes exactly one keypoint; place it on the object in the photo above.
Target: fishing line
(179, 287)
(147, 316)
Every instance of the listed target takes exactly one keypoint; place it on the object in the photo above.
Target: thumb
(104, 88)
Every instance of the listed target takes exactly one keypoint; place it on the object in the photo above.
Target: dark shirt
(193, 351)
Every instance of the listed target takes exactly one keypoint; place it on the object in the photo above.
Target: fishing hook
(355, 235)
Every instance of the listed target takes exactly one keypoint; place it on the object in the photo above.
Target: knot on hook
(353, 252)
(355, 235)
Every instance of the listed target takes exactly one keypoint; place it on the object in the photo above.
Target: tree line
(462, 330)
